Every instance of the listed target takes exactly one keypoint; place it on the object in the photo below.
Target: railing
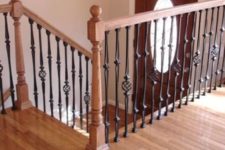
(178, 56)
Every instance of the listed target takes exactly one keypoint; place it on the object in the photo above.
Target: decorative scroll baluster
(1, 90)
(73, 86)
(177, 66)
(66, 87)
(215, 49)
(58, 62)
(137, 57)
(126, 85)
(7, 42)
(50, 73)
(42, 72)
(154, 73)
(220, 48)
(170, 46)
(87, 94)
(106, 77)
(162, 65)
(32, 42)
(209, 53)
(117, 72)
(146, 55)
(184, 59)
(81, 87)
(196, 58)
(203, 52)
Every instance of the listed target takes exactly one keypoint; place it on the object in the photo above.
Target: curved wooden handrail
(27, 12)
(5, 8)
(157, 14)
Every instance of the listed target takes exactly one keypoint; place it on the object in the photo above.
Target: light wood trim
(5, 8)
(157, 14)
(27, 12)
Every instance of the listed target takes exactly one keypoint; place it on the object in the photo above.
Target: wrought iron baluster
(8, 50)
(73, 86)
(223, 63)
(32, 42)
(81, 88)
(137, 57)
(106, 77)
(42, 72)
(50, 73)
(127, 85)
(87, 94)
(117, 72)
(182, 88)
(1, 90)
(161, 99)
(177, 66)
(193, 40)
(170, 46)
(58, 62)
(203, 52)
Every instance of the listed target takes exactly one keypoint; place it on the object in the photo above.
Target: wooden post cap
(96, 11)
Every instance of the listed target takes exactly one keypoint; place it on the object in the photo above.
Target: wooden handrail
(157, 14)
(27, 12)
(5, 8)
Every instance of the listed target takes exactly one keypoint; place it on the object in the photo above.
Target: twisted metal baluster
(7, 42)
(203, 53)
(106, 77)
(177, 66)
(42, 72)
(58, 62)
(1, 90)
(117, 72)
(32, 42)
(154, 74)
(170, 46)
(146, 55)
(127, 85)
(209, 54)
(196, 58)
(182, 89)
(137, 57)
(66, 87)
(81, 87)
(50, 73)
(73, 87)
(87, 93)
(193, 40)
(162, 65)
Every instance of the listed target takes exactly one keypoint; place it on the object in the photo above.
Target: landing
(198, 126)
(33, 130)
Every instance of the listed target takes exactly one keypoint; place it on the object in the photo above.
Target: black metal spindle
(81, 88)
(50, 73)
(32, 42)
(42, 72)
(58, 62)
(126, 85)
(8, 50)
(73, 87)
(87, 93)
(1, 90)
(117, 72)
(161, 99)
(66, 87)
(137, 57)
(106, 77)
(177, 65)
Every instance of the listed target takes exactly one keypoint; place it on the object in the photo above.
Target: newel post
(23, 101)
(96, 36)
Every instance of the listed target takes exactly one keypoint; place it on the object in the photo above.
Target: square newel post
(23, 101)
(96, 36)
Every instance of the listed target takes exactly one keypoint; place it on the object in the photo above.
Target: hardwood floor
(33, 130)
(198, 126)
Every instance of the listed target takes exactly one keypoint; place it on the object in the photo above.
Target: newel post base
(96, 36)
